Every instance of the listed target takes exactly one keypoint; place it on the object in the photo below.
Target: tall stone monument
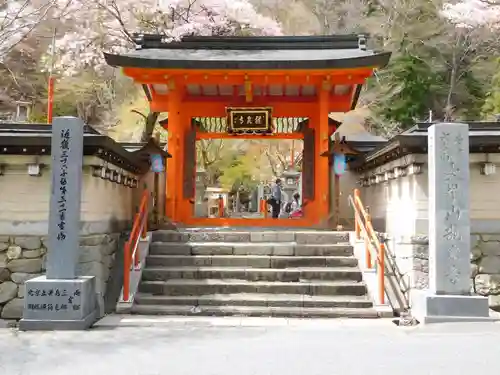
(201, 205)
(449, 295)
(61, 299)
(254, 200)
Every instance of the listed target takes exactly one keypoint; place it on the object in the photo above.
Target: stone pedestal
(59, 304)
(428, 307)
(448, 297)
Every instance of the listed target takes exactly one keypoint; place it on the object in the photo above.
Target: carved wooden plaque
(308, 167)
(249, 120)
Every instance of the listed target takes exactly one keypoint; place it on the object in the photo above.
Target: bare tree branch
(18, 19)
(140, 114)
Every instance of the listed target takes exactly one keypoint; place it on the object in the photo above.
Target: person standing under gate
(275, 200)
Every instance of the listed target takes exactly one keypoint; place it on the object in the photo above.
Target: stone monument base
(54, 304)
(434, 308)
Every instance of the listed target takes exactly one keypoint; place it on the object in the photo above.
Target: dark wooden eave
(144, 150)
(147, 92)
(362, 143)
(264, 53)
(333, 122)
(474, 126)
(355, 97)
(484, 137)
(360, 147)
(35, 139)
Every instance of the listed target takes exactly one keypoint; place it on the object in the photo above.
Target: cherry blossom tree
(108, 25)
(473, 13)
(18, 18)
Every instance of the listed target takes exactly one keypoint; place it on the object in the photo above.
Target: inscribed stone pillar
(449, 216)
(65, 197)
(61, 300)
(448, 297)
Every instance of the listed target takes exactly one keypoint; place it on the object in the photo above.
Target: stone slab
(52, 304)
(449, 214)
(65, 198)
(58, 325)
(272, 236)
(431, 308)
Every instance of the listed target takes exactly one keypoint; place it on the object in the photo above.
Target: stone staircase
(252, 273)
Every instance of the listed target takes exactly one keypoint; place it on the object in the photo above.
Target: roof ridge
(26, 127)
(345, 41)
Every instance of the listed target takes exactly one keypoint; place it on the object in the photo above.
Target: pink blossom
(473, 13)
(99, 26)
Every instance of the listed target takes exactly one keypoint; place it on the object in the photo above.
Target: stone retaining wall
(23, 258)
(485, 267)
(412, 257)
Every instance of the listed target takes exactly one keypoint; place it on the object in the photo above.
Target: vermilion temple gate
(304, 78)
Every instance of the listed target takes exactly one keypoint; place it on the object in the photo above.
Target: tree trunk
(150, 126)
(455, 65)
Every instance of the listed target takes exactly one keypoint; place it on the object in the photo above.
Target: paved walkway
(244, 346)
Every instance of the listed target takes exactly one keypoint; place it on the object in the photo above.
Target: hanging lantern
(339, 164)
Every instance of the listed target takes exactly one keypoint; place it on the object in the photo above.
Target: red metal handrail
(364, 227)
(131, 251)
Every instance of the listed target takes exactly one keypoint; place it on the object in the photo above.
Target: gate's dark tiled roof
(281, 53)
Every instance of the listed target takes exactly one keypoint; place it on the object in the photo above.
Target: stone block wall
(412, 258)
(23, 258)
(485, 267)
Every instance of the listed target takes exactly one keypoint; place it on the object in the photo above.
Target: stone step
(255, 299)
(252, 274)
(242, 248)
(207, 235)
(253, 261)
(254, 311)
(193, 287)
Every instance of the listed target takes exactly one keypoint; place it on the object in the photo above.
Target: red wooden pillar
(174, 164)
(322, 183)
(50, 99)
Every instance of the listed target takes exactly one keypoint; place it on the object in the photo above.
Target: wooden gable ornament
(340, 146)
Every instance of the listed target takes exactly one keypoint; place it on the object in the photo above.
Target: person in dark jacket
(275, 200)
